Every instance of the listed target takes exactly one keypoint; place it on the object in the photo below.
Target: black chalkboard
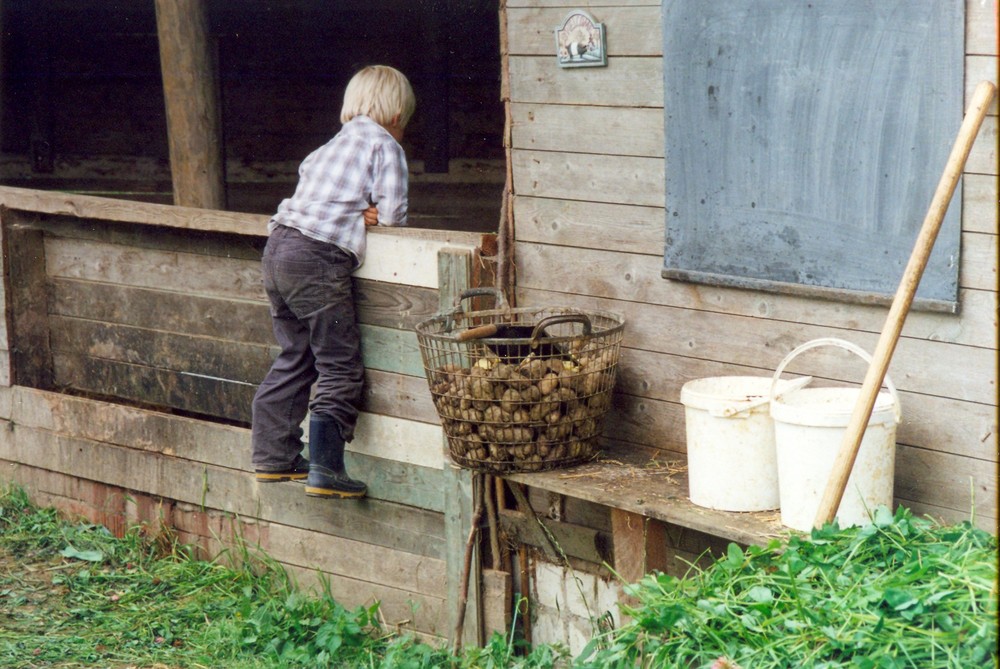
(804, 142)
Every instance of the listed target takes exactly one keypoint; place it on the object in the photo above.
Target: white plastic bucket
(730, 442)
(809, 425)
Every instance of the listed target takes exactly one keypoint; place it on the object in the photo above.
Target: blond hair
(381, 93)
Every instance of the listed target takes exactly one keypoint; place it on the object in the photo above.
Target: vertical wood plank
(190, 93)
(27, 304)
(454, 276)
(640, 545)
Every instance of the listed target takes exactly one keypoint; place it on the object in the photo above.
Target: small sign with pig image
(580, 41)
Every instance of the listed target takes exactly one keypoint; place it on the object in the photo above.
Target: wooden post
(189, 90)
(640, 545)
(855, 432)
(454, 272)
(28, 300)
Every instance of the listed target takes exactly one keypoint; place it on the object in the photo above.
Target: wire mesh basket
(520, 389)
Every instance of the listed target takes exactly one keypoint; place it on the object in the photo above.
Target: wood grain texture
(28, 298)
(194, 123)
(625, 82)
(383, 523)
(635, 278)
(640, 544)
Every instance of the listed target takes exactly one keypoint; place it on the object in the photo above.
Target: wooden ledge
(130, 212)
(631, 481)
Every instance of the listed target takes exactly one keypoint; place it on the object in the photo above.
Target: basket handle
(484, 331)
(561, 318)
(841, 343)
(481, 291)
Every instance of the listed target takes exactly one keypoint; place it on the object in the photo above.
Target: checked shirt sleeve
(390, 183)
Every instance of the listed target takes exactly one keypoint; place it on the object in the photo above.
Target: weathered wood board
(585, 161)
(161, 332)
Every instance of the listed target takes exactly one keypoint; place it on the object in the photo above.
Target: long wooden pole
(851, 442)
(193, 119)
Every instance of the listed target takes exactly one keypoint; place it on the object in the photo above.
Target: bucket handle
(743, 410)
(844, 344)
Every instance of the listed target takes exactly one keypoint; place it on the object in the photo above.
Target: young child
(317, 239)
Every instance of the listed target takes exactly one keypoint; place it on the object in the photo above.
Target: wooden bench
(646, 496)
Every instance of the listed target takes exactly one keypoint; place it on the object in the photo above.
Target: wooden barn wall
(588, 176)
(86, 78)
(134, 338)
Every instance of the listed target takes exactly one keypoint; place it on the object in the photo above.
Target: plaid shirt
(361, 166)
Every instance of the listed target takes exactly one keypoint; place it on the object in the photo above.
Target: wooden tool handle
(851, 442)
(476, 333)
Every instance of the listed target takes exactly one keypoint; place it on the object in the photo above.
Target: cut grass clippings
(904, 592)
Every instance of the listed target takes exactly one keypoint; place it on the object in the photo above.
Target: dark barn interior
(83, 108)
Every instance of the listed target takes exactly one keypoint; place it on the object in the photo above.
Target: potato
(493, 414)
(591, 383)
(532, 367)
(447, 372)
(556, 453)
(567, 397)
(458, 446)
(574, 448)
(531, 394)
(460, 428)
(559, 430)
(510, 400)
(533, 463)
(569, 379)
(548, 383)
(481, 389)
(586, 428)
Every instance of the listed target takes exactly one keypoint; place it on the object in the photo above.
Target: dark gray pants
(308, 283)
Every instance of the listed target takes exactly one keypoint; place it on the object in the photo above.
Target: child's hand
(371, 216)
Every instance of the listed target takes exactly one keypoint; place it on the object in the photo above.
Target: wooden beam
(27, 297)
(640, 545)
(454, 272)
(193, 115)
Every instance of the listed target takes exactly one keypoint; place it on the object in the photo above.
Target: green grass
(73, 595)
(904, 592)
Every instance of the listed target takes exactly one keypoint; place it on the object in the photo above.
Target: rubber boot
(327, 476)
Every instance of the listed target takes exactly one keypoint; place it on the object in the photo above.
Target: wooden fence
(134, 338)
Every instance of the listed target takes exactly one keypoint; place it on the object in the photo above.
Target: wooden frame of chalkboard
(804, 142)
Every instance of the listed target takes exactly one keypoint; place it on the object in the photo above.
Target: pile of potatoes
(525, 415)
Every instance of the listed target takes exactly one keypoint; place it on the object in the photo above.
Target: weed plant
(903, 592)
